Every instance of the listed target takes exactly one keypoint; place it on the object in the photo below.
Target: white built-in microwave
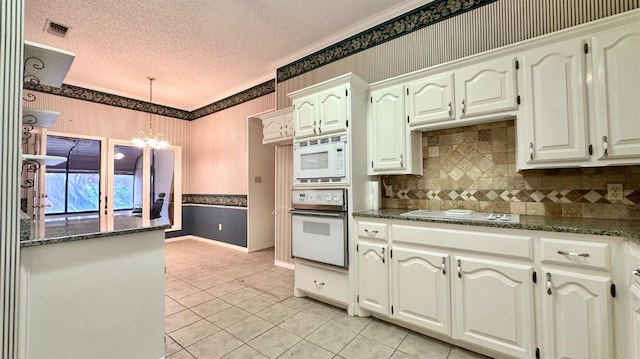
(321, 160)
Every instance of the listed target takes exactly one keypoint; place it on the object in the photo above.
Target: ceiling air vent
(55, 28)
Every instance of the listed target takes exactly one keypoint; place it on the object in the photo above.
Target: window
(83, 194)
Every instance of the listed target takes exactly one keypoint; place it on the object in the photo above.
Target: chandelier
(150, 139)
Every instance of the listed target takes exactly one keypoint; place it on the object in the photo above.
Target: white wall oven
(320, 161)
(319, 225)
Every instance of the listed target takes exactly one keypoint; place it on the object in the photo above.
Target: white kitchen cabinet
(616, 85)
(387, 131)
(634, 301)
(430, 100)
(420, 291)
(277, 126)
(576, 301)
(321, 281)
(322, 113)
(373, 276)
(482, 91)
(494, 305)
(580, 103)
(576, 315)
(392, 149)
(554, 127)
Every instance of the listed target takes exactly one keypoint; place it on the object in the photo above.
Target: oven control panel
(332, 197)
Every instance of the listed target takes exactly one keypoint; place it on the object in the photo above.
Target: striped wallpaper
(11, 28)
(284, 183)
(491, 26)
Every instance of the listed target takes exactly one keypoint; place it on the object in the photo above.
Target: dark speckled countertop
(604, 227)
(69, 229)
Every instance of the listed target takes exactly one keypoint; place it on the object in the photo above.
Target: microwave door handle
(317, 213)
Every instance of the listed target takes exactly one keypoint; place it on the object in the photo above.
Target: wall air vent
(55, 28)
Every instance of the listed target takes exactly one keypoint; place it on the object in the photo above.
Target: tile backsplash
(474, 168)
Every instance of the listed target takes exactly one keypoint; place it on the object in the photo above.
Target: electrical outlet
(219, 226)
(614, 191)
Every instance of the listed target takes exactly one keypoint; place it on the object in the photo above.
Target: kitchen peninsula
(92, 289)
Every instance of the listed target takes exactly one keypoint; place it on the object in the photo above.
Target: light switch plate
(614, 191)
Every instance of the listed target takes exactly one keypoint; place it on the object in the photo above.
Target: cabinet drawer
(372, 230)
(323, 282)
(578, 253)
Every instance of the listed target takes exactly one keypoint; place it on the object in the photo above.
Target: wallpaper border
(104, 98)
(419, 18)
(232, 200)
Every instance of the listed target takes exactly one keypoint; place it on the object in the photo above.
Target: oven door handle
(317, 213)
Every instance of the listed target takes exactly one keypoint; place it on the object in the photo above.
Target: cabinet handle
(382, 254)
(464, 107)
(573, 254)
(444, 262)
(374, 232)
(531, 151)
(401, 161)
(459, 264)
(549, 283)
(450, 112)
(636, 272)
(605, 144)
(318, 283)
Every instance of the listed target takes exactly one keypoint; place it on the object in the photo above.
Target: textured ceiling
(200, 51)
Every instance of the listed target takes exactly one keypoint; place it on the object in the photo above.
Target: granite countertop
(604, 227)
(69, 229)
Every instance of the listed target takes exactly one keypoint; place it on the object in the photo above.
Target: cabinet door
(576, 314)
(387, 131)
(486, 88)
(616, 88)
(635, 321)
(494, 305)
(332, 110)
(272, 129)
(288, 124)
(304, 114)
(431, 100)
(555, 121)
(373, 277)
(420, 292)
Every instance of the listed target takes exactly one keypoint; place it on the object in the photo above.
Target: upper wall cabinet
(580, 104)
(324, 108)
(470, 94)
(555, 121)
(277, 126)
(392, 149)
(616, 79)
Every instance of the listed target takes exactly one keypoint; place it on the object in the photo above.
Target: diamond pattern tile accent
(592, 196)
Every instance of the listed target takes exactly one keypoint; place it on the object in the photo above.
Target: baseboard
(217, 243)
(176, 239)
(286, 265)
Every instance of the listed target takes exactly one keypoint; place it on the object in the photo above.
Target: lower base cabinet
(480, 298)
(506, 293)
(494, 305)
(576, 316)
(321, 281)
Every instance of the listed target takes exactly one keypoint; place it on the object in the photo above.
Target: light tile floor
(223, 303)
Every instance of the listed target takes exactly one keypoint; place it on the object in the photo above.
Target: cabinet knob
(444, 266)
(605, 145)
(636, 272)
(318, 283)
(374, 232)
(382, 255)
(464, 107)
(458, 267)
(314, 128)
(531, 151)
(549, 285)
(450, 111)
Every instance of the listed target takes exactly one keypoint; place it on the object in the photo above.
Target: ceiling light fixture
(150, 139)
(118, 155)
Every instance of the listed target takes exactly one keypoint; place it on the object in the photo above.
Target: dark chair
(156, 208)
